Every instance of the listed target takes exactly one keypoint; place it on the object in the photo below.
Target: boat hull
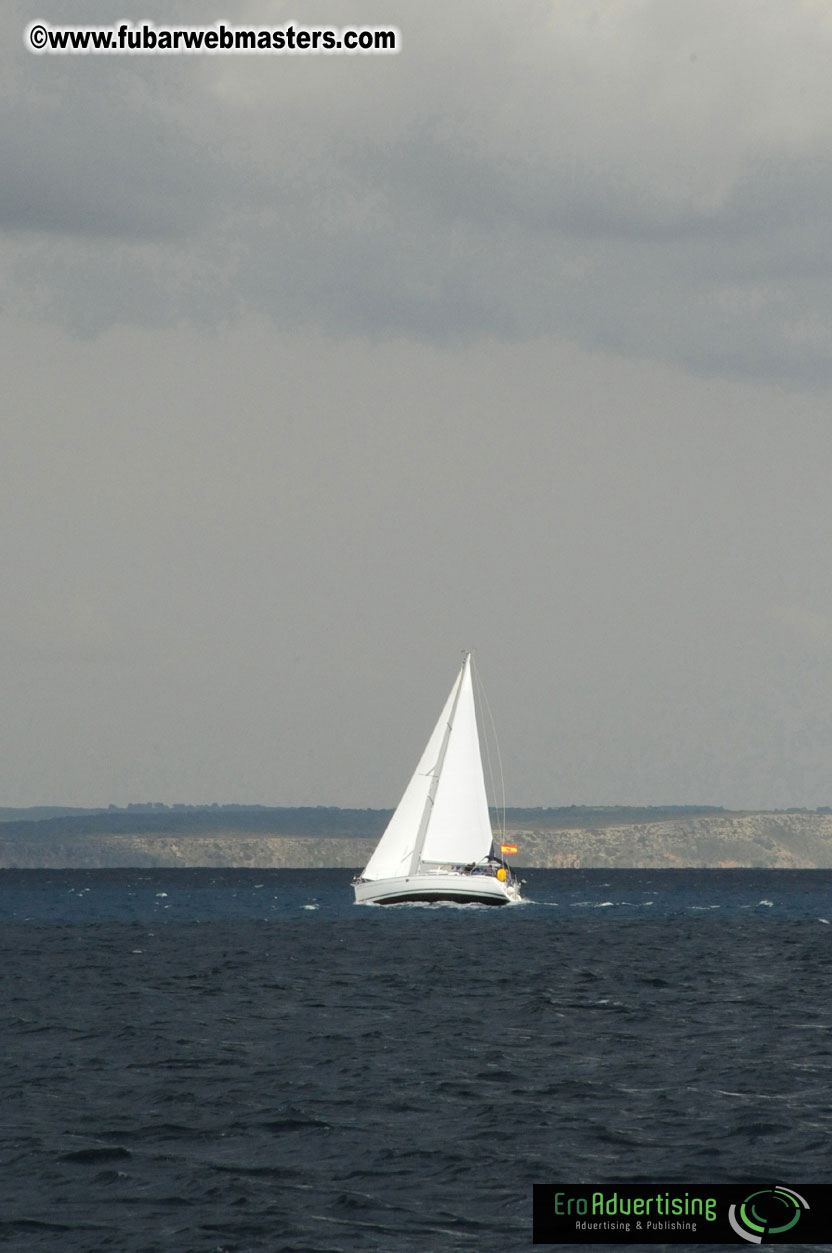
(458, 889)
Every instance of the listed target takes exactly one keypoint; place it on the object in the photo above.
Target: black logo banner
(682, 1214)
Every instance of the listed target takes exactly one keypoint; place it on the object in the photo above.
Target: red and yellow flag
(508, 848)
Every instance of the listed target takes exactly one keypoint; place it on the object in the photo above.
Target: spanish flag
(508, 848)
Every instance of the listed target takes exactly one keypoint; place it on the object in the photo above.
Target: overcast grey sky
(317, 370)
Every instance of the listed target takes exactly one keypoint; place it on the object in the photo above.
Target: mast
(437, 773)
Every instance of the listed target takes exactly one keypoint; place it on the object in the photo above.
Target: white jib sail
(392, 856)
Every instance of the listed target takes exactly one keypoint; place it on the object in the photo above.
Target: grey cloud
(111, 172)
(459, 207)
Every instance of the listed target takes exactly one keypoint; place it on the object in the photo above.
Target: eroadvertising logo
(768, 1213)
(681, 1214)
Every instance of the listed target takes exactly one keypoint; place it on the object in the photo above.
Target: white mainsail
(443, 814)
(459, 829)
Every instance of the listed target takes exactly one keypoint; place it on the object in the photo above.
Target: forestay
(395, 849)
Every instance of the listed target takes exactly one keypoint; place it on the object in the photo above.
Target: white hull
(447, 885)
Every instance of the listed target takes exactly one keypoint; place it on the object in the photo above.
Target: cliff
(345, 838)
(777, 840)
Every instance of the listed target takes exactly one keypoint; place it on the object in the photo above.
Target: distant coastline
(255, 836)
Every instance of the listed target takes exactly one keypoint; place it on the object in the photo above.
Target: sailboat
(438, 846)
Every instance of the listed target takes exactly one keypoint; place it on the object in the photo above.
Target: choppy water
(235, 1060)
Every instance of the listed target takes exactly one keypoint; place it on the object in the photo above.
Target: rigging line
(501, 816)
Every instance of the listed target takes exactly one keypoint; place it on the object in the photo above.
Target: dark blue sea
(245, 1060)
